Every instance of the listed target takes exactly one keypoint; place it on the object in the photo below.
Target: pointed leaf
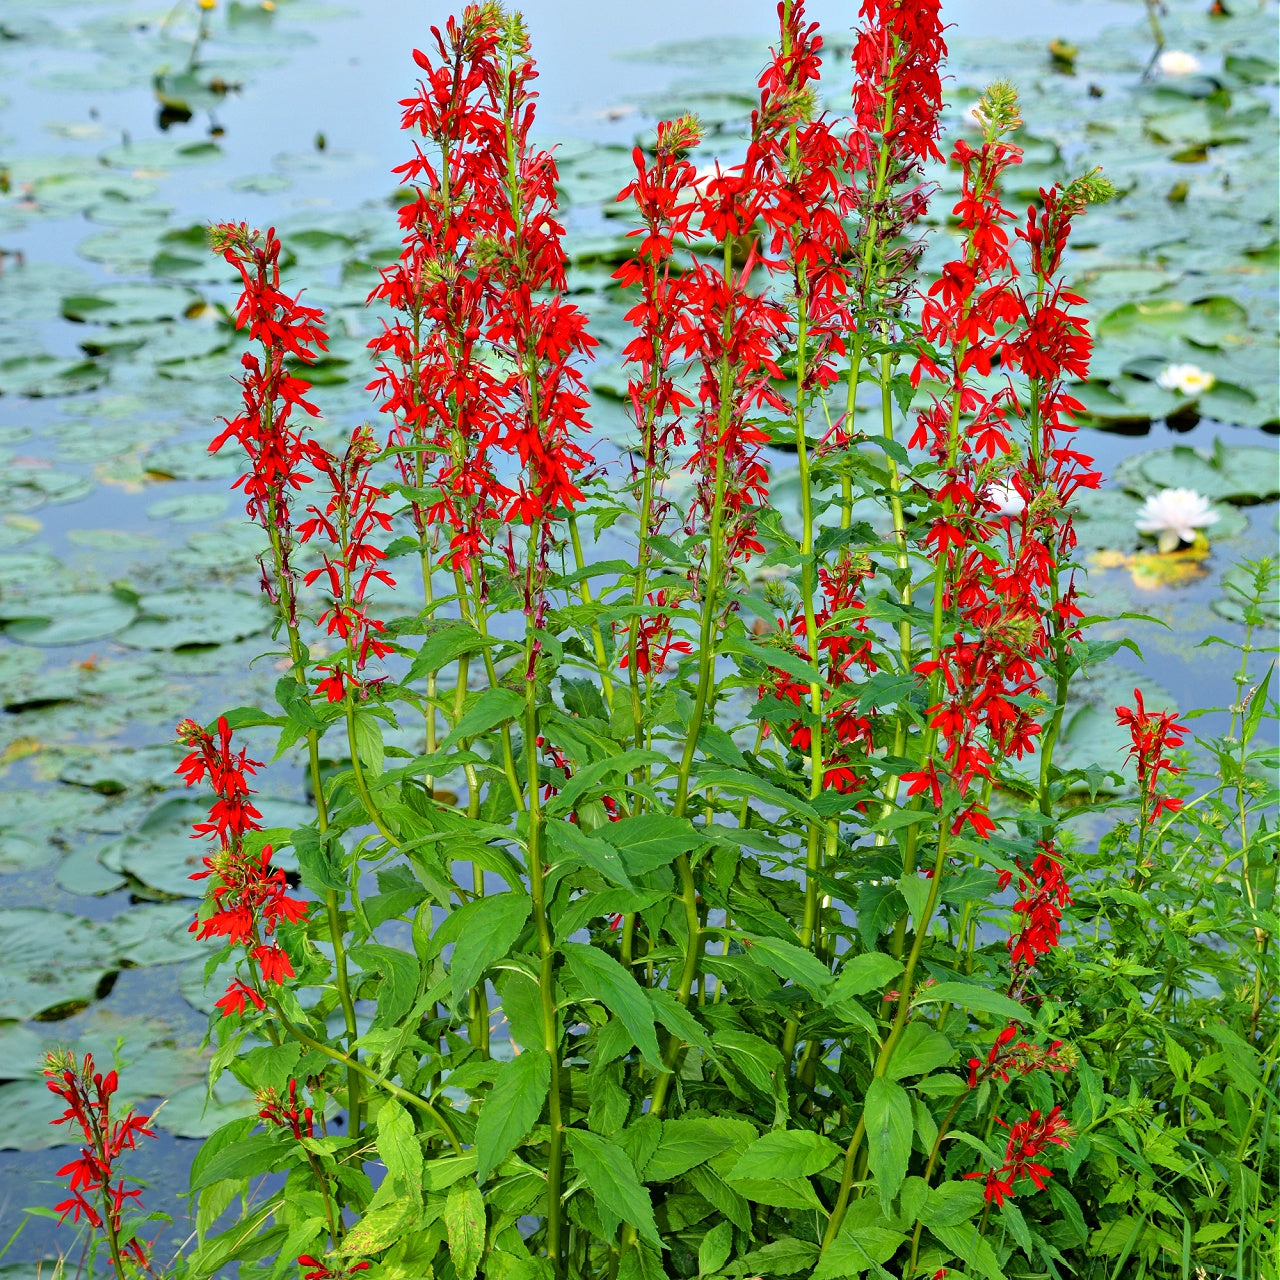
(611, 1177)
(511, 1108)
(605, 980)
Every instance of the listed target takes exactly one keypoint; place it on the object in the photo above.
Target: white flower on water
(1173, 62)
(1187, 379)
(1007, 498)
(1173, 516)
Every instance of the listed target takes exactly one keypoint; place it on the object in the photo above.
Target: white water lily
(1173, 516)
(1186, 379)
(1174, 62)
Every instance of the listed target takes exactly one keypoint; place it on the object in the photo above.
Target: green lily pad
(81, 872)
(155, 933)
(128, 304)
(1227, 473)
(66, 619)
(160, 154)
(125, 769)
(42, 376)
(28, 487)
(190, 619)
(194, 1112)
(51, 960)
(162, 854)
(22, 852)
(189, 508)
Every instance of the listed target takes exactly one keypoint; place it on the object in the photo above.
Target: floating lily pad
(161, 853)
(128, 304)
(160, 154)
(125, 769)
(42, 376)
(66, 619)
(29, 487)
(81, 872)
(194, 1113)
(51, 960)
(189, 508)
(190, 619)
(1227, 473)
(155, 933)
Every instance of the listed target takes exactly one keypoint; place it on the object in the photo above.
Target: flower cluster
(322, 1270)
(285, 330)
(349, 564)
(1008, 1055)
(844, 642)
(1152, 734)
(1044, 892)
(482, 273)
(246, 899)
(285, 1114)
(87, 1093)
(1027, 1140)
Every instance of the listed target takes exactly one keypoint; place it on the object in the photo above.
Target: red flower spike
(88, 1094)
(1152, 734)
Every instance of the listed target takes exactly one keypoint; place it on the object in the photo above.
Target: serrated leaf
(398, 1144)
(511, 1108)
(967, 995)
(714, 1248)
(482, 931)
(605, 980)
(856, 1249)
(685, 1144)
(786, 1153)
(871, 971)
(611, 1178)
(651, 840)
(790, 962)
(490, 709)
(464, 1222)
(570, 844)
(919, 1049)
(889, 1128)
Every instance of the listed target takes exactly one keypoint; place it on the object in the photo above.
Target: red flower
(233, 1001)
(1152, 734)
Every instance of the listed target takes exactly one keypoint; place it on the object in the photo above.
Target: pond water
(114, 364)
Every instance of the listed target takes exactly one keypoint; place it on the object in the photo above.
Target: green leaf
(605, 980)
(780, 1193)
(595, 773)
(511, 1108)
(398, 1144)
(714, 1248)
(871, 971)
(739, 782)
(490, 709)
(398, 986)
(856, 1249)
(919, 1049)
(966, 1243)
(975, 999)
(782, 1257)
(611, 1177)
(246, 1158)
(651, 840)
(485, 930)
(444, 646)
(786, 1153)
(951, 1204)
(570, 844)
(790, 962)
(685, 1144)
(465, 1225)
(889, 1128)
(368, 741)
(678, 1020)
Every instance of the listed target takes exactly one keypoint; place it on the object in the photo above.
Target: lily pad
(128, 304)
(189, 508)
(66, 619)
(1227, 473)
(189, 619)
(29, 487)
(124, 769)
(194, 1112)
(51, 961)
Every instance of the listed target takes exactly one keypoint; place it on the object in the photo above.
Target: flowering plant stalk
(677, 898)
